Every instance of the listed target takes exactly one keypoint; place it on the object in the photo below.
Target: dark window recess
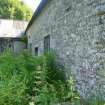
(2, 48)
(10, 45)
(13, 45)
(47, 43)
(36, 51)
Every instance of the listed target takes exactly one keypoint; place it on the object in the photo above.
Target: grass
(40, 80)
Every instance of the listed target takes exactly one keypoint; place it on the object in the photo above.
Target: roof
(37, 12)
(12, 28)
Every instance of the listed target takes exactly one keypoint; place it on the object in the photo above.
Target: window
(47, 43)
(2, 45)
(10, 45)
(36, 51)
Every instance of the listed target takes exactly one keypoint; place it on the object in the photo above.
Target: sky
(32, 3)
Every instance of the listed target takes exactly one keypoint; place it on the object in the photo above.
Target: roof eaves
(36, 13)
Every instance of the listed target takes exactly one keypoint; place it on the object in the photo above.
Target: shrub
(39, 79)
(16, 78)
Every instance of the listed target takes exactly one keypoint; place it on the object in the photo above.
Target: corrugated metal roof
(12, 28)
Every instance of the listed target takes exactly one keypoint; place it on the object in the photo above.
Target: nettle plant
(53, 88)
(39, 80)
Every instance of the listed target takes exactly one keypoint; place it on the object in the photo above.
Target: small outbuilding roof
(12, 28)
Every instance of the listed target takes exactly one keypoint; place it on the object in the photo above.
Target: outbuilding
(11, 34)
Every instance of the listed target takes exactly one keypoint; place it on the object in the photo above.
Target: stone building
(11, 33)
(75, 29)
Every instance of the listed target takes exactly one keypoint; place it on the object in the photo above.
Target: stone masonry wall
(77, 30)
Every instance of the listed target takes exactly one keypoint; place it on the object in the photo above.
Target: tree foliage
(14, 9)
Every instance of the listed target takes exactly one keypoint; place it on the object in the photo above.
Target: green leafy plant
(51, 87)
(16, 78)
(39, 79)
(72, 94)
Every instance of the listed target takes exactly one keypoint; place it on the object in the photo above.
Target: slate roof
(12, 28)
(37, 12)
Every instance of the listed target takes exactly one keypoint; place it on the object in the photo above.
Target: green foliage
(54, 71)
(24, 39)
(15, 78)
(47, 95)
(14, 9)
(12, 80)
(25, 78)
(53, 88)
(71, 93)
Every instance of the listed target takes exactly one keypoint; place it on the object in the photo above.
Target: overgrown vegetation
(25, 79)
(37, 79)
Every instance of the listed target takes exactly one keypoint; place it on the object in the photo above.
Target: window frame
(47, 43)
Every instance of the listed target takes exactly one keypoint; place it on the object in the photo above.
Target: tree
(14, 9)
